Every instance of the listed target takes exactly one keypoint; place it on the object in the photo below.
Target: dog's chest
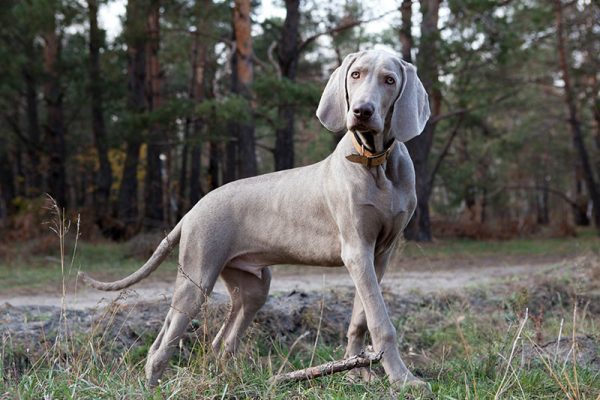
(387, 199)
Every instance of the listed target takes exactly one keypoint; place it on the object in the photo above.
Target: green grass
(587, 241)
(466, 346)
(459, 350)
(41, 270)
(32, 273)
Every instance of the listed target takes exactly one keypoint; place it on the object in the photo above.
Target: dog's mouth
(364, 130)
(367, 137)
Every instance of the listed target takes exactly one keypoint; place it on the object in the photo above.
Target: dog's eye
(355, 75)
(389, 80)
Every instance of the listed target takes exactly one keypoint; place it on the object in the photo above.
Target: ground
(513, 319)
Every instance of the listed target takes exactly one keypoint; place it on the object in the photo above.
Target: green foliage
(499, 86)
(273, 91)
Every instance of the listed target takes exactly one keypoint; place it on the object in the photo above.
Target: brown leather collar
(366, 157)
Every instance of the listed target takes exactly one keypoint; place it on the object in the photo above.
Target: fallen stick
(364, 359)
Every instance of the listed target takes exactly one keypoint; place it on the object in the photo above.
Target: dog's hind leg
(187, 300)
(248, 294)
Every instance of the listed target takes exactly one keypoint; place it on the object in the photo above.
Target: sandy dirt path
(398, 279)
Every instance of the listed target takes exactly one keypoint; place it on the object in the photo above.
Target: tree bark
(198, 95)
(419, 227)
(245, 74)
(362, 360)
(231, 167)
(406, 39)
(127, 210)
(154, 210)
(196, 192)
(182, 203)
(543, 214)
(574, 121)
(104, 174)
(194, 124)
(7, 183)
(214, 163)
(55, 125)
(596, 112)
(288, 53)
(597, 135)
(284, 137)
(34, 186)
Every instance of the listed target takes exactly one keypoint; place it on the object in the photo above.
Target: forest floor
(31, 273)
(511, 319)
(399, 278)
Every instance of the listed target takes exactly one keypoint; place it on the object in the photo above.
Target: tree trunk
(419, 227)
(406, 39)
(34, 186)
(104, 173)
(543, 214)
(288, 53)
(18, 170)
(574, 122)
(284, 137)
(7, 183)
(244, 76)
(582, 200)
(55, 125)
(196, 192)
(596, 112)
(128, 193)
(182, 204)
(230, 170)
(597, 138)
(127, 210)
(214, 161)
(154, 210)
(198, 95)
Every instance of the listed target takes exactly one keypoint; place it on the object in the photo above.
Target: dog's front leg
(358, 323)
(358, 259)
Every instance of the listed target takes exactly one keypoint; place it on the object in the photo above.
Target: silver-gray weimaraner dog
(347, 210)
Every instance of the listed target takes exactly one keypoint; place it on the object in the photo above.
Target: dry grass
(471, 345)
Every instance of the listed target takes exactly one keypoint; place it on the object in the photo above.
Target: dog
(347, 210)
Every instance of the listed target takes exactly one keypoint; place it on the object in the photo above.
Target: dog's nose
(364, 111)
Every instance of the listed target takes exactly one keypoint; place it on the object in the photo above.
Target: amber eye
(389, 80)
(355, 75)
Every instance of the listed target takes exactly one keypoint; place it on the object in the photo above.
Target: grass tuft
(518, 341)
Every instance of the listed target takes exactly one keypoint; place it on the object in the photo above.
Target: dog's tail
(161, 252)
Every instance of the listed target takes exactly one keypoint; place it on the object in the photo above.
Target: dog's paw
(411, 388)
(364, 374)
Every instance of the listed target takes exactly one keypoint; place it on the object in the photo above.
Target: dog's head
(375, 92)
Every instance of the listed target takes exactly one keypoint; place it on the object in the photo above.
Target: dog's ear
(333, 105)
(411, 109)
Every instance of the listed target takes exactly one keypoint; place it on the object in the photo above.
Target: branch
(265, 147)
(364, 359)
(445, 150)
(556, 192)
(260, 62)
(341, 28)
(462, 111)
(272, 60)
(19, 133)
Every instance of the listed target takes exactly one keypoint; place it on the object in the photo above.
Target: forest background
(132, 128)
